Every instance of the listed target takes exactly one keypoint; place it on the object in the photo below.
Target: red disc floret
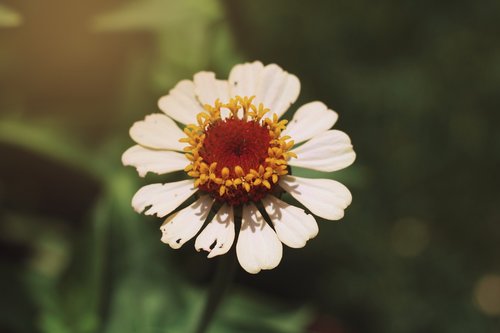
(234, 142)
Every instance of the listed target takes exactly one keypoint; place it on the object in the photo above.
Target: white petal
(181, 103)
(293, 225)
(276, 89)
(157, 161)
(310, 120)
(323, 197)
(157, 131)
(219, 232)
(244, 78)
(185, 224)
(258, 246)
(329, 151)
(208, 88)
(162, 198)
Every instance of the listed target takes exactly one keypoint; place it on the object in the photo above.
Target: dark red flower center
(235, 142)
(240, 158)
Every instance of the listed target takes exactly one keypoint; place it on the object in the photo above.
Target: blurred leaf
(244, 312)
(49, 141)
(187, 34)
(157, 15)
(9, 17)
(50, 312)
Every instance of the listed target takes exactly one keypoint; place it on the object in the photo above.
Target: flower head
(237, 155)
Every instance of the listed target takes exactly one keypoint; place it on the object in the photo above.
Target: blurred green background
(416, 85)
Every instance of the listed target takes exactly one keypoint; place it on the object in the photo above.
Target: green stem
(222, 279)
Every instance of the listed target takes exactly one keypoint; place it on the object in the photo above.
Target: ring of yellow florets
(239, 158)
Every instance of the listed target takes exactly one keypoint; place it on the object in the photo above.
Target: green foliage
(416, 88)
(47, 140)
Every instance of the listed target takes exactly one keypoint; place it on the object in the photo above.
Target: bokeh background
(416, 84)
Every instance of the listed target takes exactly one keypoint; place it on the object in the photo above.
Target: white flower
(237, 154)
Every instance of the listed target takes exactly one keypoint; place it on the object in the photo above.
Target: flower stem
(222, 279)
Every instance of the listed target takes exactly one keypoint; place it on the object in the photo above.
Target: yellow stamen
(239, 171)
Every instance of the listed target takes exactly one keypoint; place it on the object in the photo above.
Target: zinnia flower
(238, 156)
